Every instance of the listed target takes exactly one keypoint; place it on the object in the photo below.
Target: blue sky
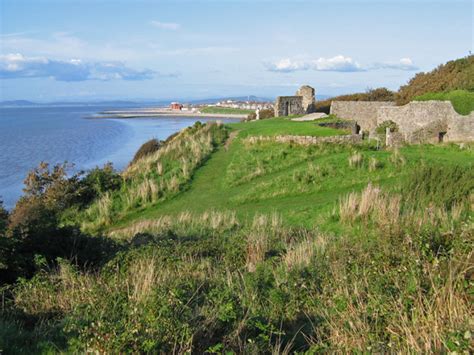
(89, 50)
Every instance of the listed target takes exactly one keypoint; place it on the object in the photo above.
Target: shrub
(147, 148)
(98, 181)
(382, 128)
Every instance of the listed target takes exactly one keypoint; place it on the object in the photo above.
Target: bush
(264, 114)
(98, 181)
(382, 128)
(146, 149)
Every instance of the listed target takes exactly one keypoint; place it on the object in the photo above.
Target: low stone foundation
(307, 140)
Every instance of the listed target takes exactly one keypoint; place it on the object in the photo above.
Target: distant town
(235, 104)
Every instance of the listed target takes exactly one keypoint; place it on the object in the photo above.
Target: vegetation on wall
(380, 94)
(462, 100)
(382, 128)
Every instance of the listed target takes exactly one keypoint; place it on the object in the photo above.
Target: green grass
(462, 100)
(283, 126)
(225, 110)
(301, 183)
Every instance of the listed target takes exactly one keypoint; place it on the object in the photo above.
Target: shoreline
(141, 113)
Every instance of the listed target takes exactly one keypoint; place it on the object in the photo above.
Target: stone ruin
(302, 103)
(417, 121)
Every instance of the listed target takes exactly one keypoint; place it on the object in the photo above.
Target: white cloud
(338, 63)
(16, 65)
(402, 64)
(166, 25)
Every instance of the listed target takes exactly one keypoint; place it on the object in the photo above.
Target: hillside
(454, 75)
(221, 241)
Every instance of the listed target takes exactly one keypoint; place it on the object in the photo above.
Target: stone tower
(308, 93)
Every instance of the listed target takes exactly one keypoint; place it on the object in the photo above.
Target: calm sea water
(56, 134)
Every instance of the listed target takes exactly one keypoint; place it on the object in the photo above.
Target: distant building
(176, 106)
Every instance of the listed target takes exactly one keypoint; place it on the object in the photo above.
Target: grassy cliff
(220, 243)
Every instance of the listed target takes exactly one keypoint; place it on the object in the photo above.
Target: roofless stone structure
(303, 102)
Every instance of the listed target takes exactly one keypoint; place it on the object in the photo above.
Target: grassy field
(301, 183)
(219, 243)
(462, 100)
(225, 110)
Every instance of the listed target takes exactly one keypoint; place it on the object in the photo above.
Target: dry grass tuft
(356, 160)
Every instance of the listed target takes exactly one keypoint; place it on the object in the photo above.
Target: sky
(72, 50)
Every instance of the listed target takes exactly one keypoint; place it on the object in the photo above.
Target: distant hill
(17, 103)
(454, 75)
(24, 103)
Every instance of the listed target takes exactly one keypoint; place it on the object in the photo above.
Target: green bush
(147, 148)
(98, 181)
(382, 128)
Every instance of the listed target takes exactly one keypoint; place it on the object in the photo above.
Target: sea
(54, 134)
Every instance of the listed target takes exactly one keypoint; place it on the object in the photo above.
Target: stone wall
(363, 112)
(308, 140)
(417, 121)
(429, 122)
(289, 105)
(461, 129)
(307, 92)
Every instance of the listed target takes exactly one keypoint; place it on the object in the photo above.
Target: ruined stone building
(417, 122)
(302, 103)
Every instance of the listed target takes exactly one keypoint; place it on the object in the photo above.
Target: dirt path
(232, 135)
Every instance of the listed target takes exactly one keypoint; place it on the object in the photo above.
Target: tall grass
(209, 282)
(156, 176)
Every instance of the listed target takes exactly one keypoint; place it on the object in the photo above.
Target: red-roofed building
(176, 106)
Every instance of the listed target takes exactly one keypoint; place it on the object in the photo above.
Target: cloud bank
(338, 63)
(14, 66)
